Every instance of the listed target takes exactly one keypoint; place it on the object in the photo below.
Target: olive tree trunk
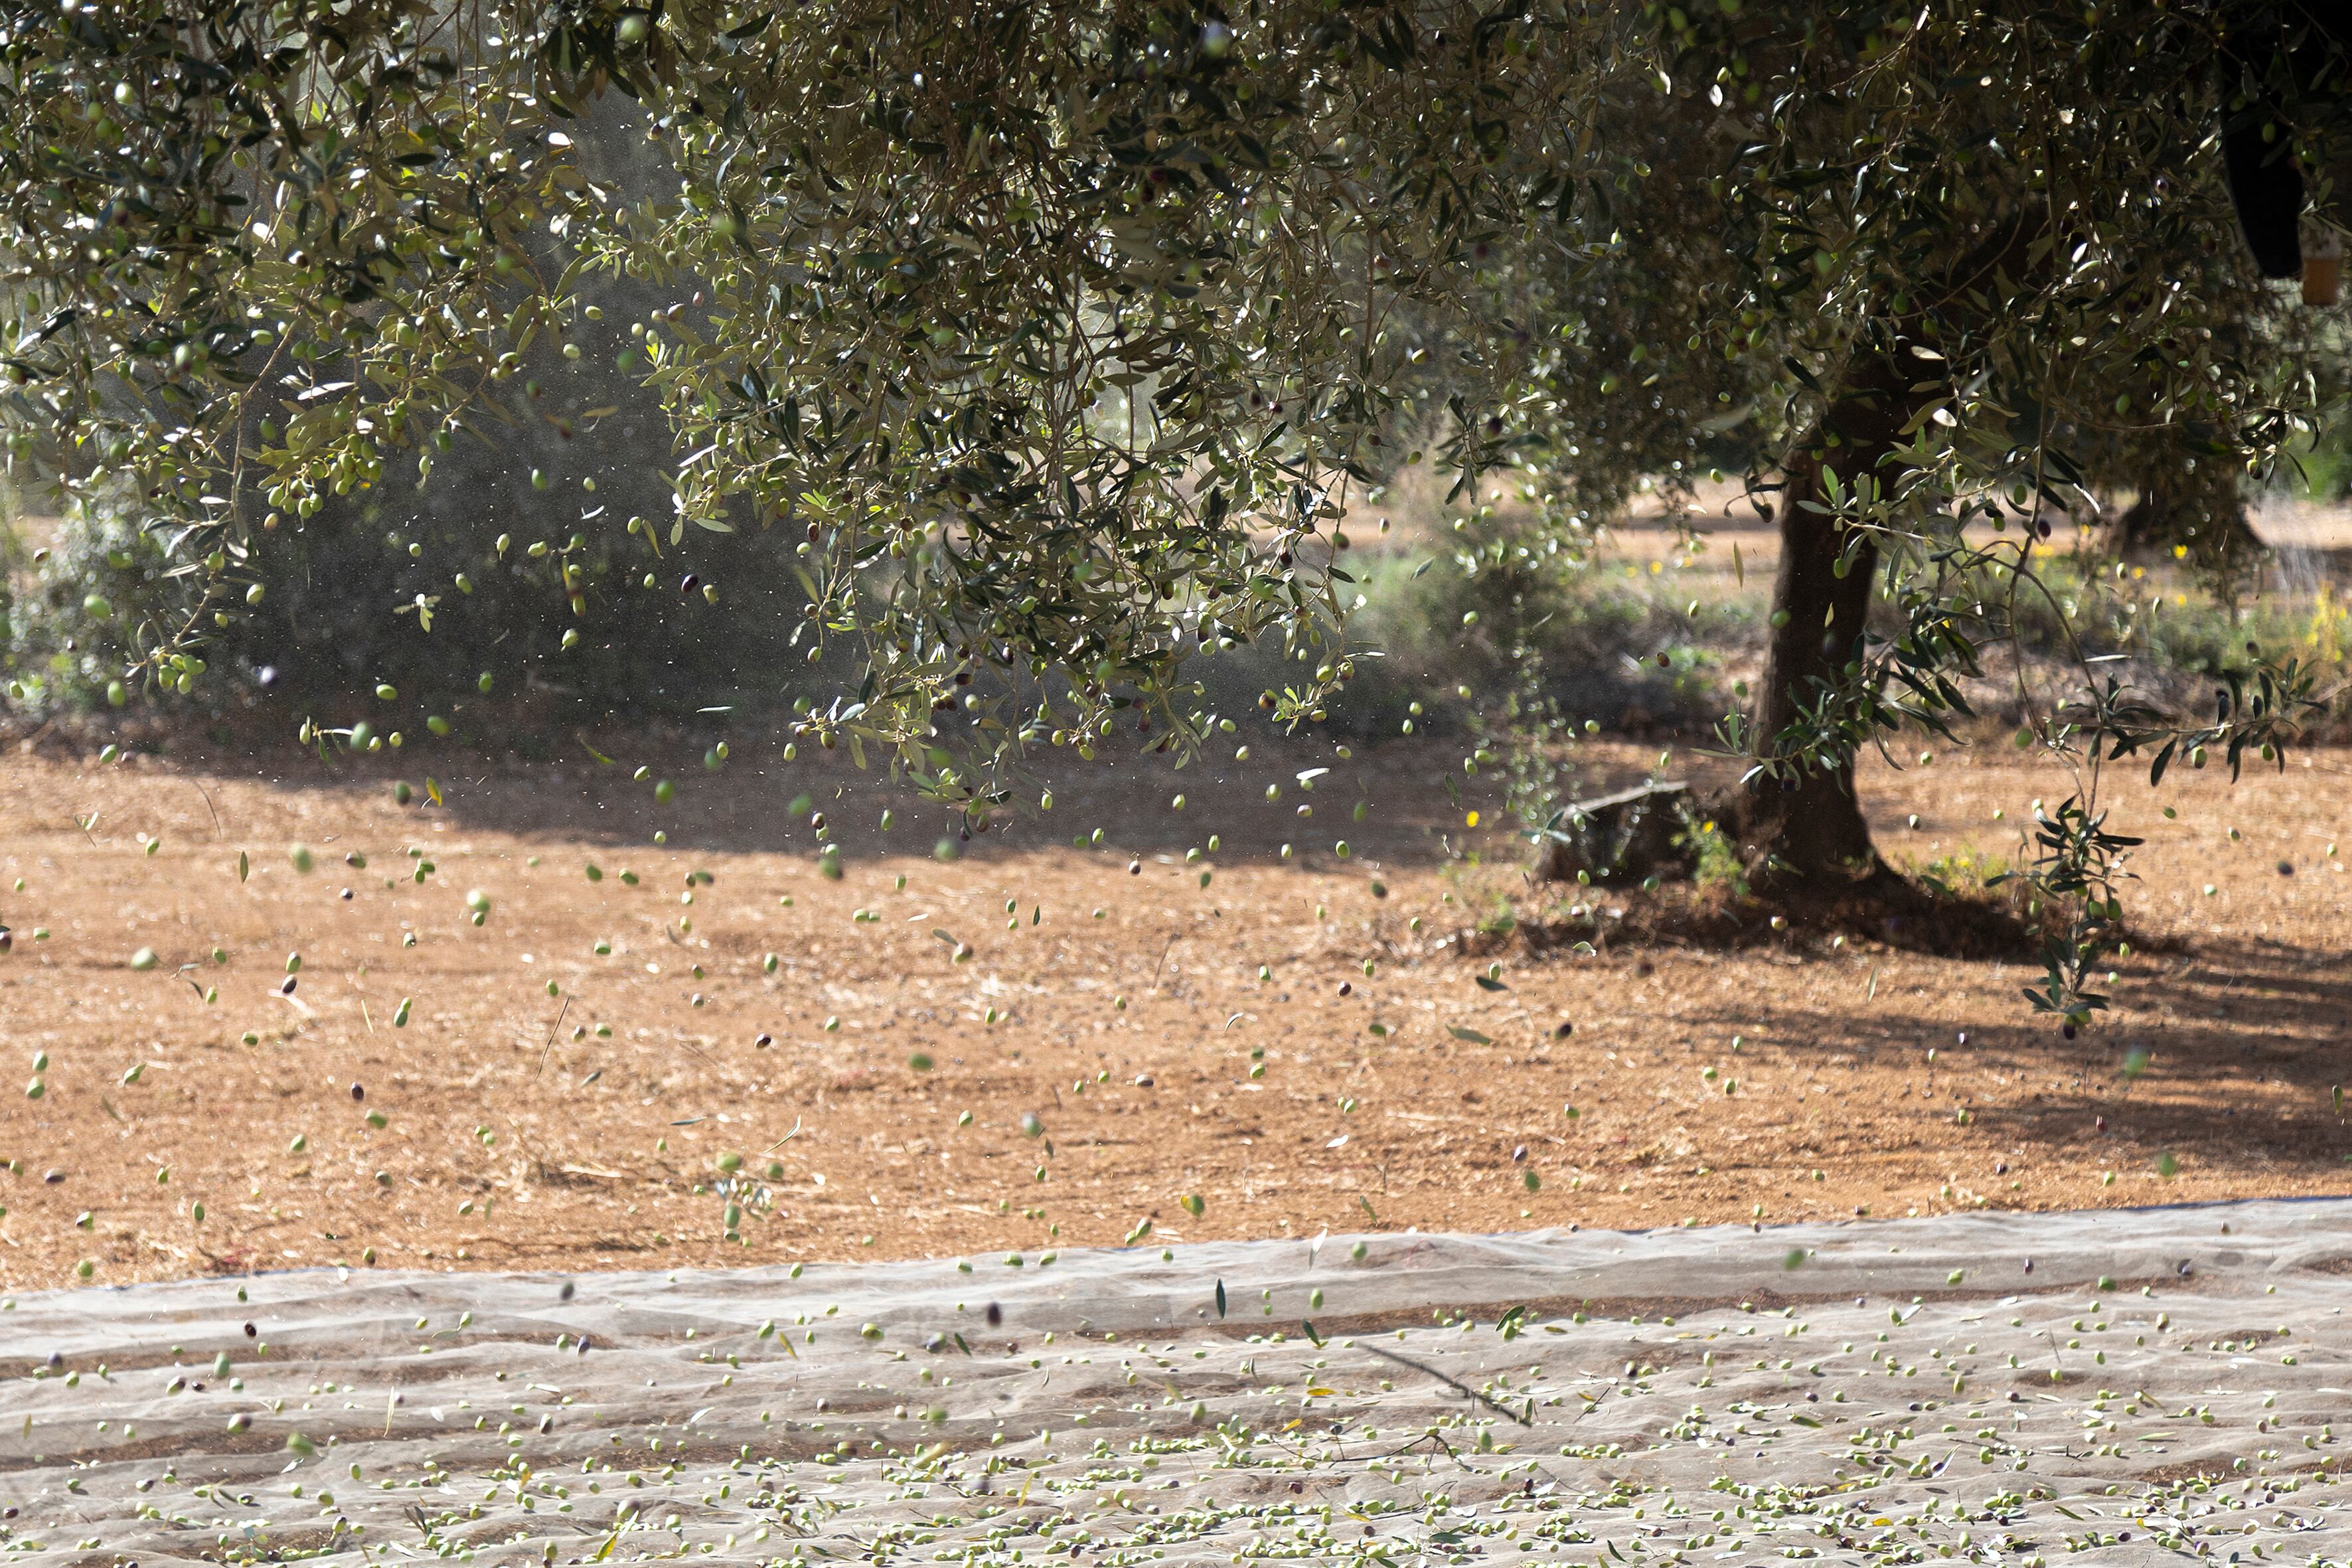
(2203, 511)
(1807, 831)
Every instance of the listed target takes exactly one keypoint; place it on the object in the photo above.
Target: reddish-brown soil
(1786, 1079)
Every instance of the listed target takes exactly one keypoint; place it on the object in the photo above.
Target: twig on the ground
(1409, 1447)
(217, 831)
(559, 1015)
(1455, 1384)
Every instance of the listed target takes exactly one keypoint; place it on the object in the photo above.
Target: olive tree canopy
(1042, 336)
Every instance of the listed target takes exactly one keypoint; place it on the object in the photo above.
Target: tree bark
(1807, 832)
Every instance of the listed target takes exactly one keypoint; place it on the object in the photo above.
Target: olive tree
(1978, 251)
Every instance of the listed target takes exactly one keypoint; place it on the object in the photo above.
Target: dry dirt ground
(548, 1104)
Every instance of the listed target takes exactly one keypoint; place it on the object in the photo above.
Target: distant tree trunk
(1810, 832)
(2203, 512)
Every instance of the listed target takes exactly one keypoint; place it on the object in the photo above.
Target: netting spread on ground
(2006, 1388)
